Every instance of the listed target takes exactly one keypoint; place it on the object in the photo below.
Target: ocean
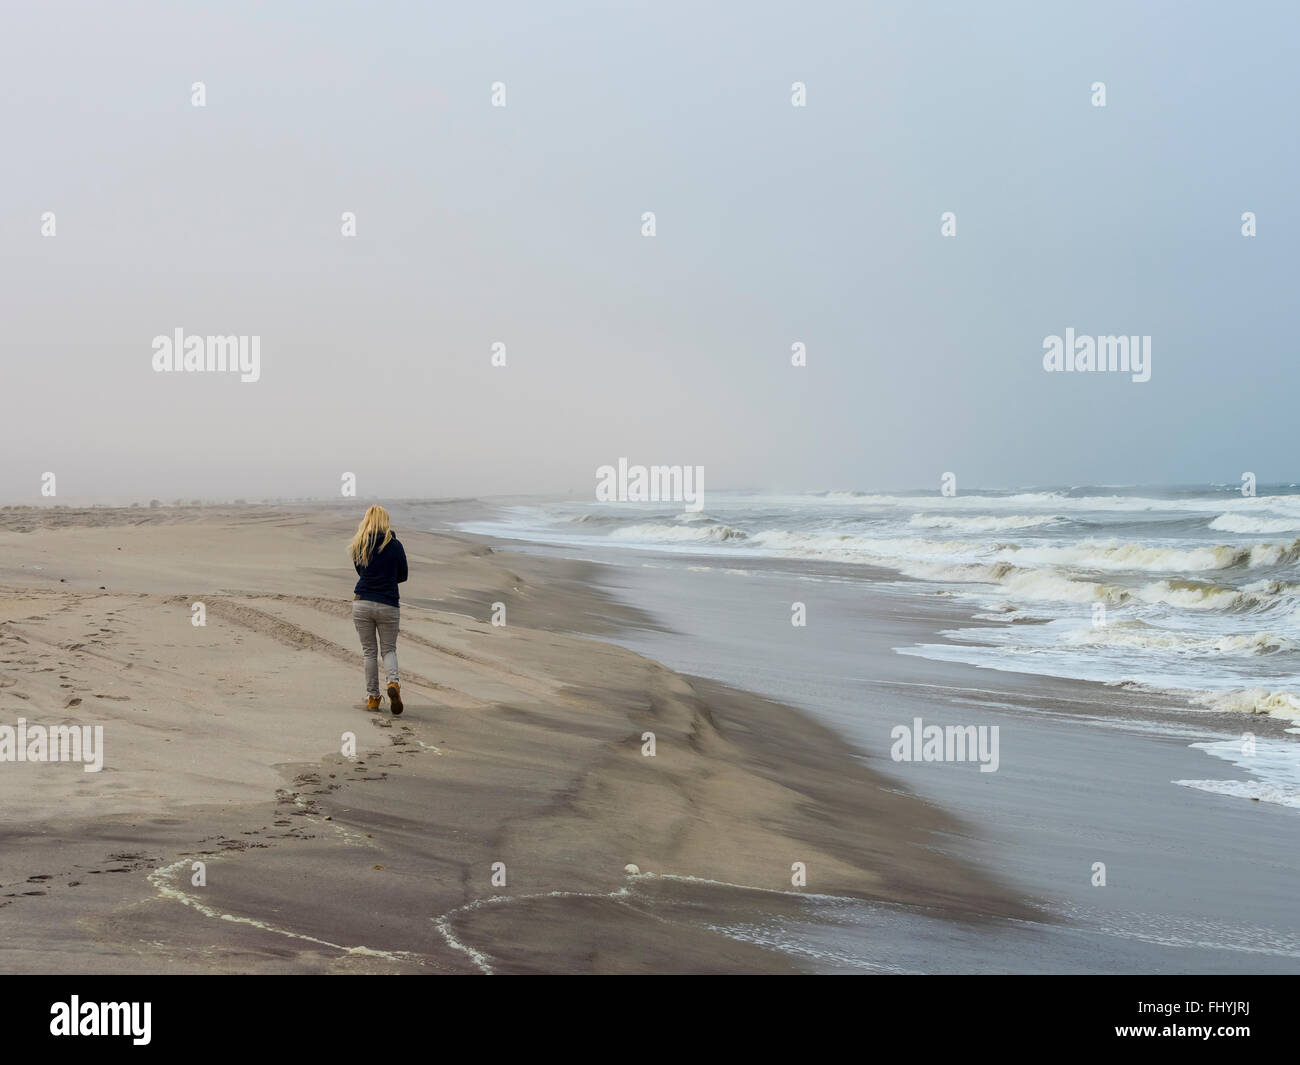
(1190, 591)
(991, 608)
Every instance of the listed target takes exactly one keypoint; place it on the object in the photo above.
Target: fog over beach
(649, 488)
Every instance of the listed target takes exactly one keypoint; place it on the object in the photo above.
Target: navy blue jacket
(386, 571)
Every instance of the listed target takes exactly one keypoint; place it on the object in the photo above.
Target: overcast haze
(522, 225)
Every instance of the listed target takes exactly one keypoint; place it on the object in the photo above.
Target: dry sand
(520, 745)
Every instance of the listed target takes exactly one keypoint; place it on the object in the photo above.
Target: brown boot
(372, 702)
(395, 697)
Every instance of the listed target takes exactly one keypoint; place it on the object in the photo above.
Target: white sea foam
(1142, 558)
(1136, 634)
(1283, 704)
(1273, 766)
(1250, 523)
(1259, 790)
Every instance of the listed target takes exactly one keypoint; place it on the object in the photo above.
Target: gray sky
(522, 224)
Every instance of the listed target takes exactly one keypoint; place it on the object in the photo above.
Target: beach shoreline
(520, 757)
(1099, 807)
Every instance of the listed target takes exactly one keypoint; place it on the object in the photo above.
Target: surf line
(158, 880)
(484, 963)
(481, 960)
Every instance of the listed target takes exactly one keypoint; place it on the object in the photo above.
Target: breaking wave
(689, 533)
(1251, 523)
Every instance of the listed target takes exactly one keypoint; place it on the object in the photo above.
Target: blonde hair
(373, 525)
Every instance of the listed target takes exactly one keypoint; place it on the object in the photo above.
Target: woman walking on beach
(380, 563)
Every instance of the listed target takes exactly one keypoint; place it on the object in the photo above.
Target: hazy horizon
(1262, 491)
(521, 224)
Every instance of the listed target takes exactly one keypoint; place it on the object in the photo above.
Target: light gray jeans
(377, 625)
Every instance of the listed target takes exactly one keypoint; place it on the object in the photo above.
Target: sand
(519, 757)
